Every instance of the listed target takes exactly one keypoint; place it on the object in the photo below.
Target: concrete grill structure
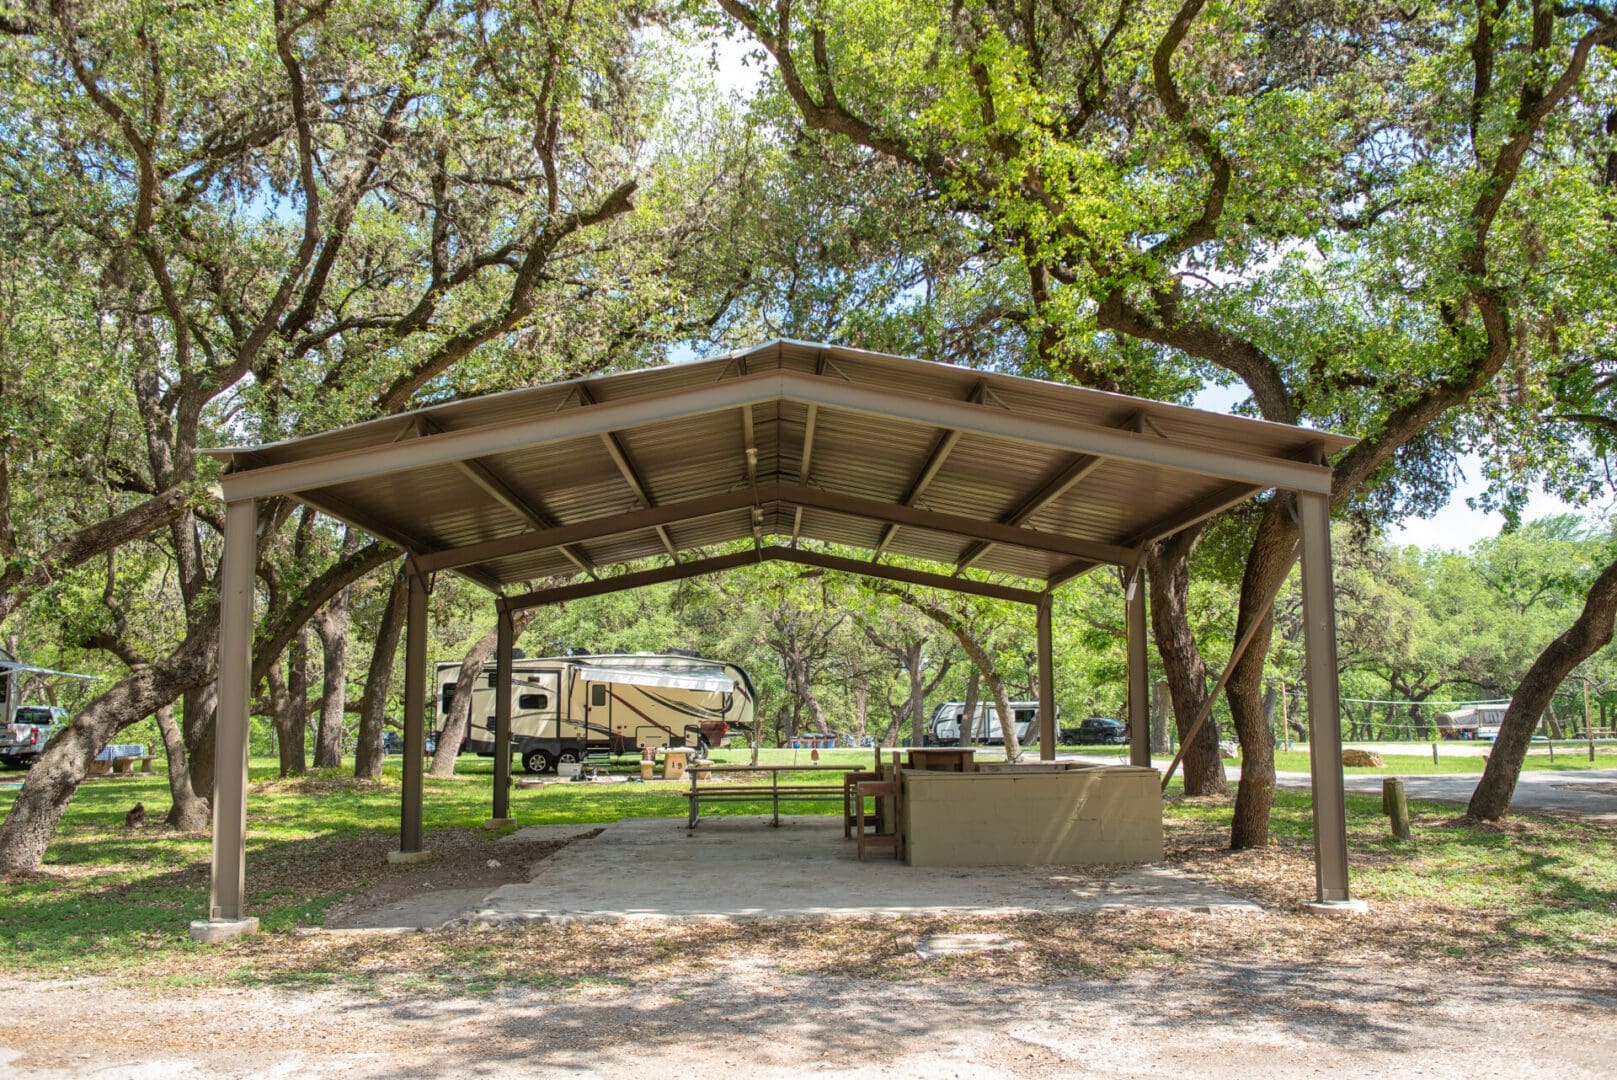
(776, 453)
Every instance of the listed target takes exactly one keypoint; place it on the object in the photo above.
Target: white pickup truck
(32, 727)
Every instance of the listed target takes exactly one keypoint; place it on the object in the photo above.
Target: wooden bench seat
(774, 792)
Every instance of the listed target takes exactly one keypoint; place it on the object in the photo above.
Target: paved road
(1588, 794)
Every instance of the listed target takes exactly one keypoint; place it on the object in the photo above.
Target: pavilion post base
(1337, 908)
(500, 823)
(219, 931)
(407, 857)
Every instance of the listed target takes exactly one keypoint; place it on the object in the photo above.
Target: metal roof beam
(498, 490)
(804, 462)
(1047, 493)
(694, 568)
(620, 457)
(408, 543)
(768, 494)
(594, 529)
(929, 471)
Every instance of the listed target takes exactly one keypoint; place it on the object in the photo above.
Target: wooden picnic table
(747, 793)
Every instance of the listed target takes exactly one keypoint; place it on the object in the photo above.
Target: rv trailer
(944, 730)
(565, 706)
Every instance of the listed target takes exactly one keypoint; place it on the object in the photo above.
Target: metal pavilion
(787, 446)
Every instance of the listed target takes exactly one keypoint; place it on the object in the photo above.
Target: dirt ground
(760, 1019)
(1408, 990)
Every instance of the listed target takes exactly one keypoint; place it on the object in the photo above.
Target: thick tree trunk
(1588, 635)
(1159, 719)
(1168, 574)
(289, 707)
(1267, 565)
(917, 698)
(332, 628)
(63, 763)
(368, 754)
(187, 812)
(196, 720)
(968, 726)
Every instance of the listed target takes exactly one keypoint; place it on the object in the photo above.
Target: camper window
(449, 696)
(597, 694)
(533, 701)
(493, 680)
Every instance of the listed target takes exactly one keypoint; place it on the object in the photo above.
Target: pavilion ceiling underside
(871, 459)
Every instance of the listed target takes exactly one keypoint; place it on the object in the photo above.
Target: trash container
(674, 760)
(648, 769)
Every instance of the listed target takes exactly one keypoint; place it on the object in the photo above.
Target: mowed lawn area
(115, 901)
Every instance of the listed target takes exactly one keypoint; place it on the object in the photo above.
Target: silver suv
(23, 739)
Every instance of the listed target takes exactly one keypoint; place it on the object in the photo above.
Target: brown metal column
(415, 707)
(502, 721)
(229, 874)
(1047, 683)
(1139, 670)
(1324, 706)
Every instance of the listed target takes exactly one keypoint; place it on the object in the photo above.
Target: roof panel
(516, 488)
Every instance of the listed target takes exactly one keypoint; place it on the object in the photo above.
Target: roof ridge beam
(772, 553)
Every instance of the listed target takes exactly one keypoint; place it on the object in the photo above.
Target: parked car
(393, 742)
(1099, 731)
(23, 739)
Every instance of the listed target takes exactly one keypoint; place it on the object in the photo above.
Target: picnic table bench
(796, 790)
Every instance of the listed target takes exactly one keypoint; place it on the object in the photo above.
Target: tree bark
(188, 811)
(1267, 565)
(1159, 719)
(1588, 635)
(368, 755)
(289, 707)
(332, 627)
(968, 726)
(1168, 575)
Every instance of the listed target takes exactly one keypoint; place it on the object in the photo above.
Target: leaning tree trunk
(62, 766)
(1267, 565)
(460, 705)
(1588, 635)
(368, 754)
(1168, 574)
(332, 628)
(188, 811)
(65, 761)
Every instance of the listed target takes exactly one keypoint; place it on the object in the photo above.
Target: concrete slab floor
(741, 868)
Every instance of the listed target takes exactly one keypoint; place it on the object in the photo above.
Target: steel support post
(1139, 671)
(1047, 683)
(502, 719)
(415, 707)
(1324, 705)
(229, 873)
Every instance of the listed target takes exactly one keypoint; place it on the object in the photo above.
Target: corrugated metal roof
(1018, 435)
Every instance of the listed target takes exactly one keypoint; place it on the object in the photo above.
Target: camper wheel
(701, 748)
(538, 761)
(568, 757)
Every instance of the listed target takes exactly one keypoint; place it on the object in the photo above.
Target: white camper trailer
(944, 730)
(563, 706)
